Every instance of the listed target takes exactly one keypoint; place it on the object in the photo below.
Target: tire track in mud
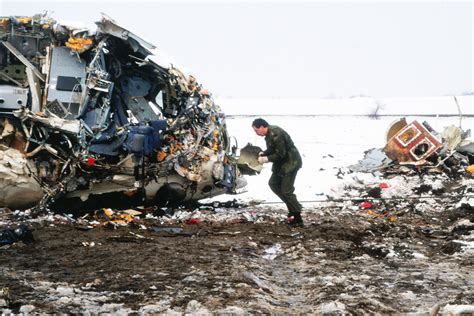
(281, 280)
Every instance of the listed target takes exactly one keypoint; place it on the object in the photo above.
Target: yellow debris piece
(24, 19)
(79, 44)
(470, 168)
(108, 212)
(390, 218)
(120, 222)
(127, 217)
(4, 22)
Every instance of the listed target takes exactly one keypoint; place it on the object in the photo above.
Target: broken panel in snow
(91, 112)
(419, 146)
(413, 143)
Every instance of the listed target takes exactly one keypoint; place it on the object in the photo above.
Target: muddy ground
(341, 261)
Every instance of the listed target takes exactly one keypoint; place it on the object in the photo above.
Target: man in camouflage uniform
(286, 162)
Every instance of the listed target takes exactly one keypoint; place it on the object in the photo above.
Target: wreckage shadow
(77, 207)
(165, 197)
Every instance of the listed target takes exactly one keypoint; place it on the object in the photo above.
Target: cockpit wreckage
(86, 113)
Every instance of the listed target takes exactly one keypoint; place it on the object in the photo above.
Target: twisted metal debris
(88, 112)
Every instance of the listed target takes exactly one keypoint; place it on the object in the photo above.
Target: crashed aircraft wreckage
(91, 112)
(419, 146)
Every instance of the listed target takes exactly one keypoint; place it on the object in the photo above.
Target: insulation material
(19, 189)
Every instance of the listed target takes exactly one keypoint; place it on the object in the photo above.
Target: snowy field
(430, 106)
(328, 141)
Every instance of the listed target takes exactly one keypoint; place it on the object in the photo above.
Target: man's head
(260, 126)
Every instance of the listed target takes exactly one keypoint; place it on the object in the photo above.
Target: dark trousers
(284, 187)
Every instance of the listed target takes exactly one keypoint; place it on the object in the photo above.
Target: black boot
(295, 220)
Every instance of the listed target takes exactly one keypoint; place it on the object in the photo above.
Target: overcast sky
(302, 49)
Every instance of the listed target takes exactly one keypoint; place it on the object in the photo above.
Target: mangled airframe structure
(417, 146)
(90, 112)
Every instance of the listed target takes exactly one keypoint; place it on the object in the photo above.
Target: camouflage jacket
(281, 151)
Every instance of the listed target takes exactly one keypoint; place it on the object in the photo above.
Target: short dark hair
(259, 123)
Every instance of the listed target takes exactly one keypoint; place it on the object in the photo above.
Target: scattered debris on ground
(345, 259)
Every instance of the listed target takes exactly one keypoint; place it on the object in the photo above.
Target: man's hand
(262, 159)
